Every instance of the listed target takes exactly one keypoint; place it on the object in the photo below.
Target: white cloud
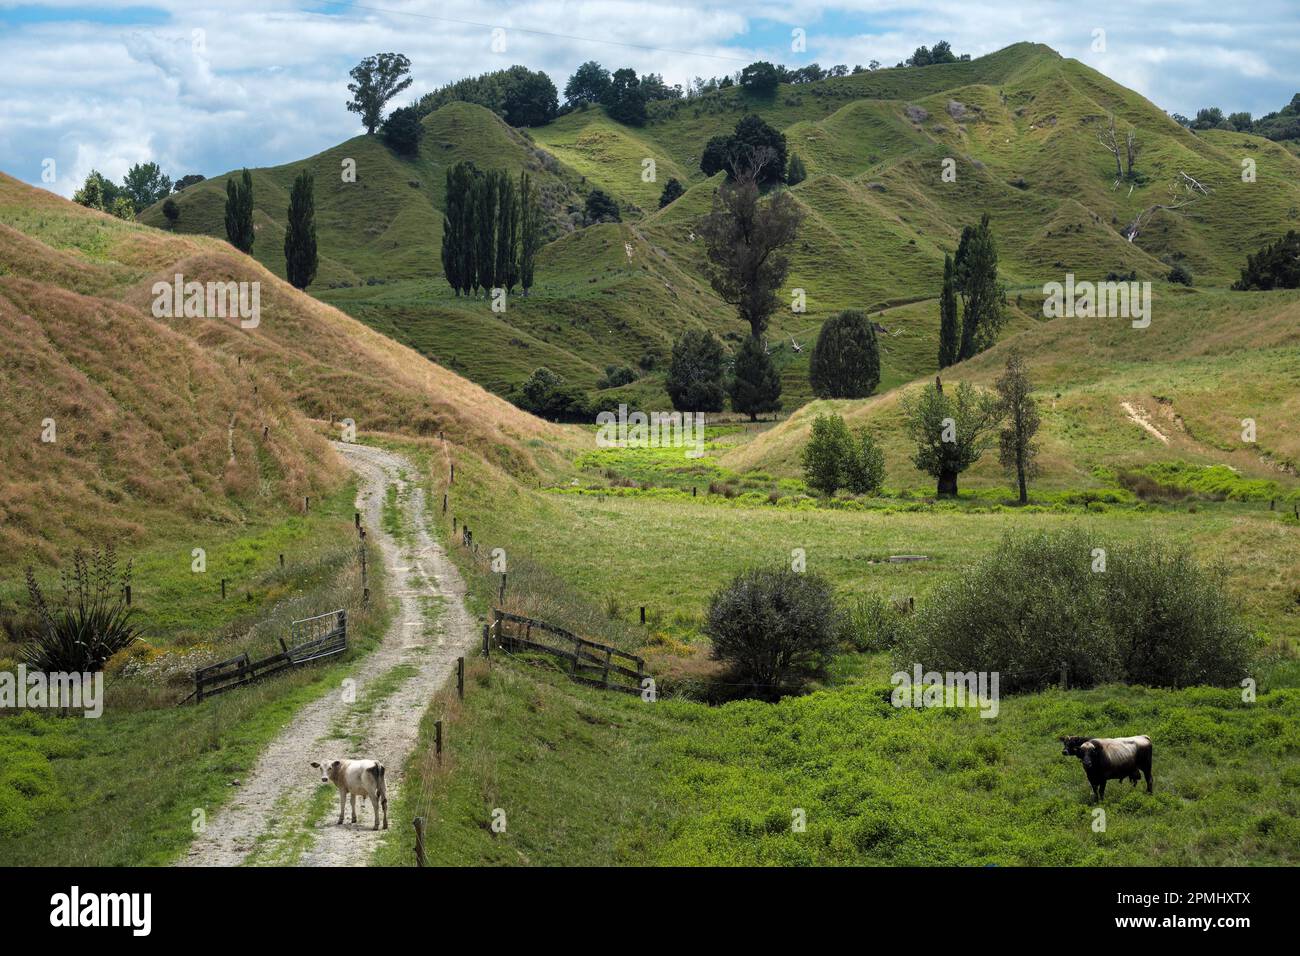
(268, 82)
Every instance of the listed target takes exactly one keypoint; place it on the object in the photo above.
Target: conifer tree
(300, 260)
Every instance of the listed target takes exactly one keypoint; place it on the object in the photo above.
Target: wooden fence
(313, 638)
(590, 662)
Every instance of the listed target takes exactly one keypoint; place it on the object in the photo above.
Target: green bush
(1152, 616)
(826, 454)
(865, 467)
(775, 627)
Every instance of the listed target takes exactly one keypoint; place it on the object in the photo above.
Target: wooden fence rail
(590, 662)
(314, 638)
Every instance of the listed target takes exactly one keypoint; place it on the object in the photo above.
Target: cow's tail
(378, 771)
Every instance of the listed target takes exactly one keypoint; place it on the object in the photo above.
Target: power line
(540, 33)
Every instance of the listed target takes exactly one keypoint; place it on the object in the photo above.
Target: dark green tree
(402, 131)
(458, 230)
(530, 98)
(755, 383)
(485, 240)
(589, 84)
(949, 326)
(239, 212)
(1276, 266)
(507, 253)
(845, 362)
(171, 211)
(672, 189)
(601, 207)
(375, 81)
(745, 238)
(695, 374)
(300, 234)
(186, 181)
(761, 79)
(530, 230)
(983, 295)
(625, 100)
(520, 96)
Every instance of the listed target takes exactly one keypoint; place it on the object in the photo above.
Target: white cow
(352, 777)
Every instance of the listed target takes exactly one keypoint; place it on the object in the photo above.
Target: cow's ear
(336, 763)
(315, 764)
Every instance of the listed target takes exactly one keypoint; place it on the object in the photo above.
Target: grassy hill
(1021, 125)
(163, 423)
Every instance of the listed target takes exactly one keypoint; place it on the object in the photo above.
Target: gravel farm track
(426, 583)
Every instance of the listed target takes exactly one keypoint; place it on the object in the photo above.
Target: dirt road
(275, 816)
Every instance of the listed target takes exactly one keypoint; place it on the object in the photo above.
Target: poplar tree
(949, 329)
(454, 228)
(239, 212)
(507, 257)
(300, 260)
(485, 221)
(530, 230)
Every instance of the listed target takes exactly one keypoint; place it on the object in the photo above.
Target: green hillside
(1019, 125)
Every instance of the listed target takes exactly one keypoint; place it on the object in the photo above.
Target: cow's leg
(374, 805)
(354, 808)
(343, 802)
(383, 798)
(1101, 791)
(1147, 772)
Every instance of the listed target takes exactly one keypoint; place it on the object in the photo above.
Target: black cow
(1111, 758)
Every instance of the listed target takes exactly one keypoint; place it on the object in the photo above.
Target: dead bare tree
(1182, 193)
(1131, 149)
(1110, 140)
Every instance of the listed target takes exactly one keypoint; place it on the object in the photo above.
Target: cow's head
(1088, 753)
(328, 769)
(1072, 746)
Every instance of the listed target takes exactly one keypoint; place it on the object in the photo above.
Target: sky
(206, 87)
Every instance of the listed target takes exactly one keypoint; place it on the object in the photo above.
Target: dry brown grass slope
(147, 411)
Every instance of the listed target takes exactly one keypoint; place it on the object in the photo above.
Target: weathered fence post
(444, 502)
(223, 589)
(1065, 676)
(643, 614)
(487, 640)
(419, 841)
(306, 504)
(452, 479)
(437, 739)
(501, 598)
(356, 519)
(127, 591)
(460, 677)
(281, 562)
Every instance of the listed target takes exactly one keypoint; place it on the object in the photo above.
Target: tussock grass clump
(1140, 613)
